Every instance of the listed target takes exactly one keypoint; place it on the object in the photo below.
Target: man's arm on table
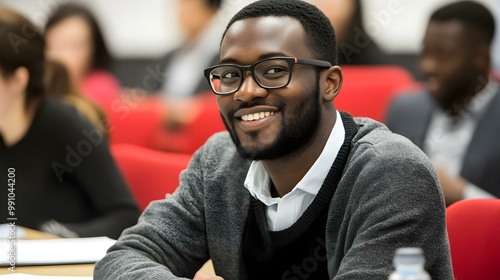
(169, 240)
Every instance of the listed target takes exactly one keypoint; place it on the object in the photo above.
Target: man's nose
(428, 65)
(249, 90)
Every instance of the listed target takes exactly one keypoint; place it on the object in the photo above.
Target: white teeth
(256, 116)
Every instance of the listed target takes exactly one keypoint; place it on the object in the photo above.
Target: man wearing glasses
(296, 189)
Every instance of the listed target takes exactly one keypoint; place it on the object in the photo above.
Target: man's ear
(332, 83)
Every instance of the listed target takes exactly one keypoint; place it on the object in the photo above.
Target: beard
(295, 133)
(456, 99)
(455, 103)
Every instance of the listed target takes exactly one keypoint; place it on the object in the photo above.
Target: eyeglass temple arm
(313, 62)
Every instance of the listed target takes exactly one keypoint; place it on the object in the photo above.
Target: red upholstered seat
(150, 174)
(474, 233)
(134, 120)
(368, 90)
(189, 138)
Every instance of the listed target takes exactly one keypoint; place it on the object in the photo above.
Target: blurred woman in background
(59, 85)
(64, 179)
(74, 38)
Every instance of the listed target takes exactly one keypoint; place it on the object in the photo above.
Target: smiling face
(271, 123)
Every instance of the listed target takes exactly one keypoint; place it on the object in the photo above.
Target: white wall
(131, 28)
(146, 28)
(403, 31)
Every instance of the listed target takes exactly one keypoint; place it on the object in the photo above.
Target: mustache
(244, 105)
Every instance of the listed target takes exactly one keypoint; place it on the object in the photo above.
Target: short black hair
(320, 35)
(472, 14)
(102, 58)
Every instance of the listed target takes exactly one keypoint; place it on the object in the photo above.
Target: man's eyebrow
(230, 60)
(271, 55)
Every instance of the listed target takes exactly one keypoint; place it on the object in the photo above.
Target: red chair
(474, 234)
(189, 138)
(134, 120)
(150, 174)
(368, 90)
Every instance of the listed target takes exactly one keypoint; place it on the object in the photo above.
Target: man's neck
(16, 120)
(286, 173)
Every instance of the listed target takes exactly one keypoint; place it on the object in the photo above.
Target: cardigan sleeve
(169, 240)
(396, 202)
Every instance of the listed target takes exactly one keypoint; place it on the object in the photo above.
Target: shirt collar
(258, 183)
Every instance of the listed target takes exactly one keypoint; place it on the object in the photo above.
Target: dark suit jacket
(410, 115)
(159, 77)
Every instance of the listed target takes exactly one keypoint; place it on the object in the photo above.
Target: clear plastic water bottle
(409, 264)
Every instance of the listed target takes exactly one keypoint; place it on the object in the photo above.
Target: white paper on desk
(5, 230)
(22, 276)
(56, 251)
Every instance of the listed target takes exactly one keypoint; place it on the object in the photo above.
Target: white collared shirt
(283, 212)
(447, 142)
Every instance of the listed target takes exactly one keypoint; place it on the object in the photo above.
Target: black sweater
(64, 172)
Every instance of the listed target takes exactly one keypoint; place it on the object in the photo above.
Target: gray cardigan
(388, 197)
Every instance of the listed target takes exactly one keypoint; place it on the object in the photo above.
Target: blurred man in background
(184, 66)
(180, 73)
(455, 121)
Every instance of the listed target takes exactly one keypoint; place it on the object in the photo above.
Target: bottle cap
(408, 256)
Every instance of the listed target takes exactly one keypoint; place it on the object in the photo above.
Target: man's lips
(255, 118)
(255, 113)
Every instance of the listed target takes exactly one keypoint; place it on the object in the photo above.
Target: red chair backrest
(474, 234)
(150, 174)
(368, 90)
(189, 138)
(134, 121)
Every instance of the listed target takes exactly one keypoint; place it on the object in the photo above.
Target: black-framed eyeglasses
(270, 73)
